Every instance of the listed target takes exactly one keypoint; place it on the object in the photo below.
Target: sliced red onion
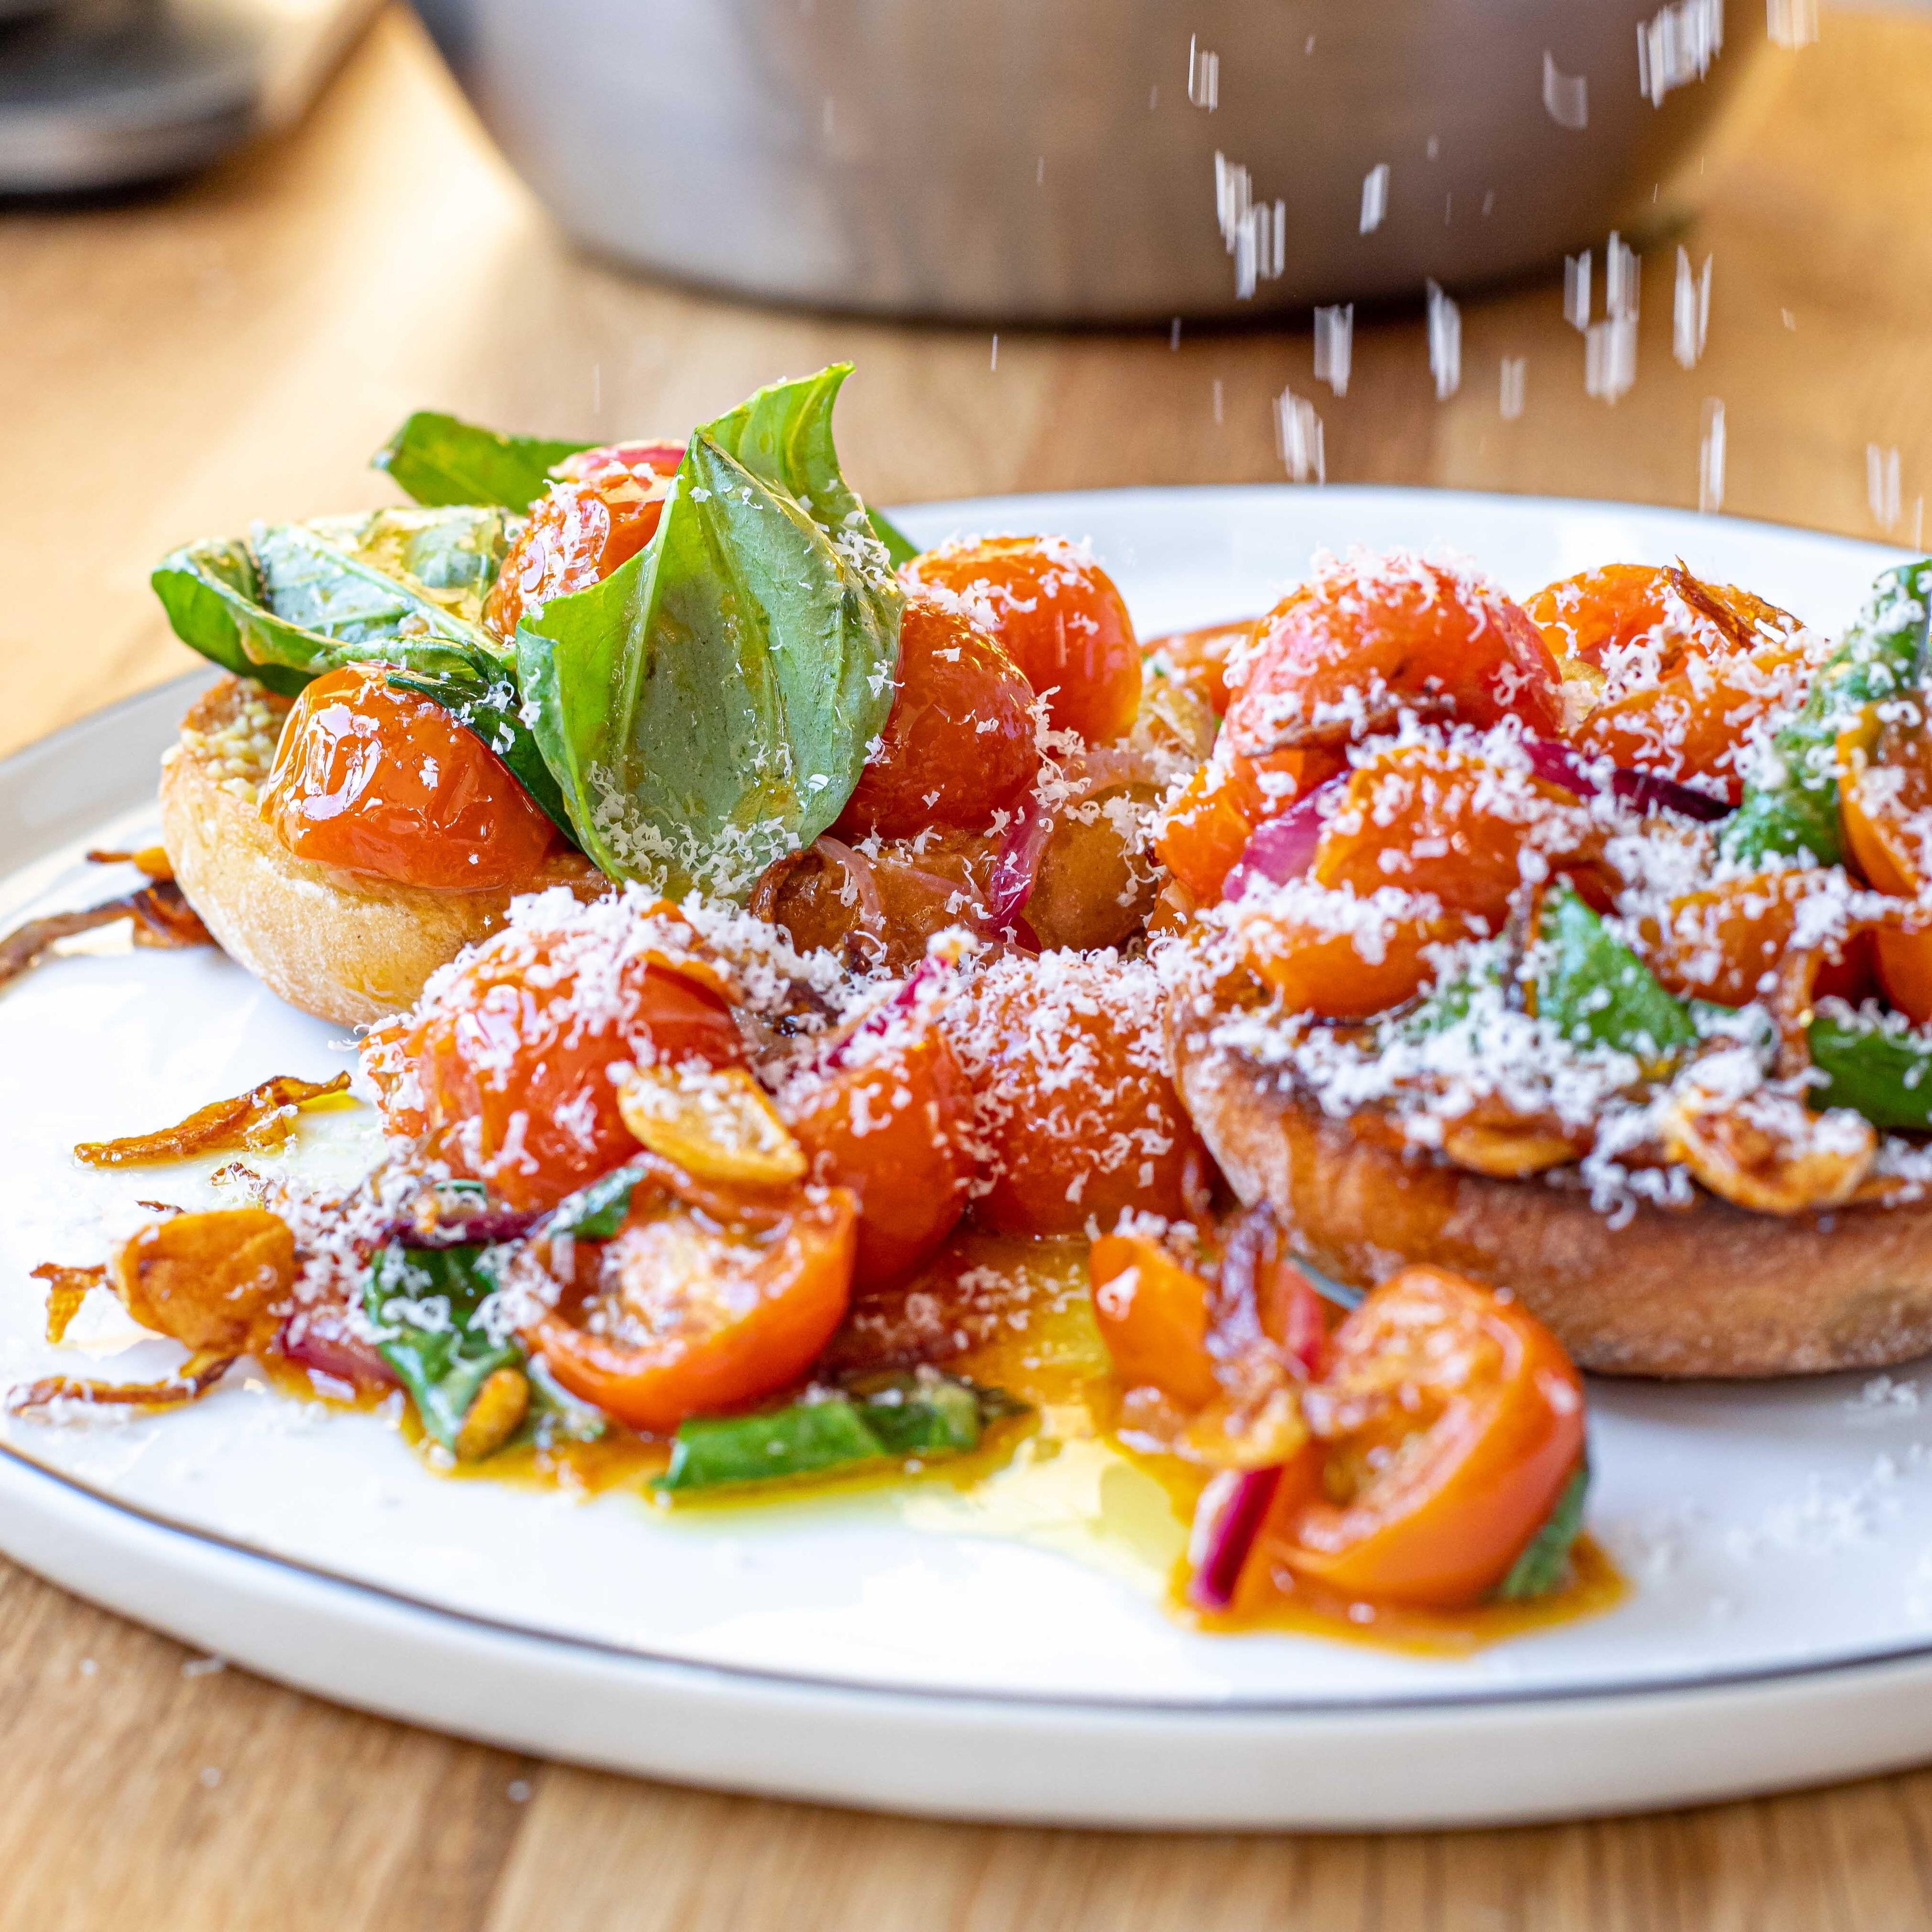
(1229, 1518)
(1283, 848)
(864, 881)
(1016, 869)
(1564, 765)
(932, 972)
(333, 1350)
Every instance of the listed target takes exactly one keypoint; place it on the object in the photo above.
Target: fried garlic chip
(715, 1123)
(261, 1118)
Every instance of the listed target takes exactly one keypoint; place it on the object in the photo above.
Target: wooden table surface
(236, 348)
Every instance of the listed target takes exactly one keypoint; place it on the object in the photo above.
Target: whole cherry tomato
(1595, 617)
(1060, 618)
(604, 511)
(958, 746)
(503, 1067)
(383, 782)
(1342, 656)
(1453, 1420)
(1340, 956)
(706, 1299)
(1074, 1109)
(892, 1125)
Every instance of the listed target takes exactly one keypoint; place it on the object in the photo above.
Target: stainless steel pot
(1086, 160)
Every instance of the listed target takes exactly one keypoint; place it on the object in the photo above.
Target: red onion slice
(932, 973)
(1016, 869)
(1229, 1518)
(1283, 848)
(319, 1339)
(1564, 765)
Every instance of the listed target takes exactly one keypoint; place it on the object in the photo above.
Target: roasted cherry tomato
(1342, 657)
(1207, 828)
(1060, 618)
(958, 746)
(1343, 957)
(384, 783)
(1884, 806)
(1440, 820)
(1726, 943)
(1153, 1315)
(1690, 725)
(1073, 1106)
(1453, 1420)
(503, 1067)
(582, 529)
(892, 1125)
(1198, 660)
(1596, 617)
(706, 1300)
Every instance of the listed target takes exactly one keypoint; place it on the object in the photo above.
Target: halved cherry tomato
(1343, 656)
(1599, 614)
(1452, 1419)
(1060, 618)
(1208, 827)
(1725, 943)
(893, 1127)
(1442, 821)
(1152, 1314)
(1198, 660)
(1341, 956)
(1689, 725)
(958, 746)
(384, 783)
(503, 1065)
(582, 529)
(1885, 807)
(1074, 1109)
(706, 1299)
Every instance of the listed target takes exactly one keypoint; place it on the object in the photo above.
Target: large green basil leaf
(1793, 808)
(708, 707)
(300, 599)
(438, 459)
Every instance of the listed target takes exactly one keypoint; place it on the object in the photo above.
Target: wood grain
(183, 363)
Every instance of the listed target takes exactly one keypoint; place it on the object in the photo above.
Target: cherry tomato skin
(893, 1130)
(508, 1083)
(1343, 656)
(704, 1312)
(388, 785)
(1153, 1315)
(581, 530)
(1310, 955)
(958, 746)
(1884, 789)
(1061, 619)
(1204, 836)
(1460, 1419)
(1597, 613)
(1198, 660)
(1725, 943)
(1074, 1113)
(1445, 822)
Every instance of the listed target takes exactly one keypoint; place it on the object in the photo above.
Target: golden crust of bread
(1708, 1290)
(347, 949)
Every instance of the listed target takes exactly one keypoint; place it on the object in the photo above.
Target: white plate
(992, 1655)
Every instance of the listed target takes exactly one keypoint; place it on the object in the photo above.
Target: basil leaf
(708, 707)
(1794, 810)
(1876, 1063)
(1597, 992)
(490, 708)
(1545, 1565)
(301, 599)
(899, 548)
(598, 1211)
(424, 1303)
(438, 459)
(919, 1414)
(212, 596)
(555, 1412)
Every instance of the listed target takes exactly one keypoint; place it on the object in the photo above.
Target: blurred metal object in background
(108, 93)
(1090, 161)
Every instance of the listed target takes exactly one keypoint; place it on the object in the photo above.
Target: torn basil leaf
(1597, 992)
(424, 1303)
(709, 707)
(596, 1212)
(900, 548)
(922, 1414)
(440, 459)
